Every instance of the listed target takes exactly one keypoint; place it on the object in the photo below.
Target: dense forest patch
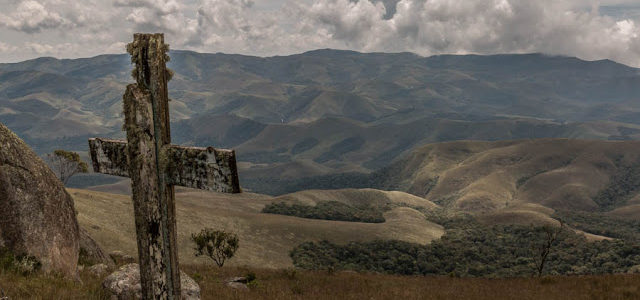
(622, 186)
(602, 224)
(469, 249)
(328, 210)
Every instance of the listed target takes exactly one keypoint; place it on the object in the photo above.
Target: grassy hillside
(364, 205)
(511, 175)
(265, 239)
(340, 145)
(503, 182)
(356, 197)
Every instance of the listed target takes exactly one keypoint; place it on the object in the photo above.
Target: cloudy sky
(72, 28)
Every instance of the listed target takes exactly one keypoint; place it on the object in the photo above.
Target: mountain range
(354, 147)
(328, 111)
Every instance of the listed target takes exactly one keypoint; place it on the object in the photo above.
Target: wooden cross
(155, 166)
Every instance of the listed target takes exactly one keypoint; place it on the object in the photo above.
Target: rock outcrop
(37, 215)
(91, 253)
(125, 284)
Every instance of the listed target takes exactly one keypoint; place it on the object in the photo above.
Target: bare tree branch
(541, 251)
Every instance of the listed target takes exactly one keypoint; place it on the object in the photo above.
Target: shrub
(22, 264)
(216, 244)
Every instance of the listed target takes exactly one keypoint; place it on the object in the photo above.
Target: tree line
(470, 249)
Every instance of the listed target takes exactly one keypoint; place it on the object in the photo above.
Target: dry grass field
(265, 239)
(296, 284)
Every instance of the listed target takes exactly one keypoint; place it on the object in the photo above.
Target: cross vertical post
(155, 166)
(146, 109)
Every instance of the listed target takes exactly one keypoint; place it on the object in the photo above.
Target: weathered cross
(155, 166)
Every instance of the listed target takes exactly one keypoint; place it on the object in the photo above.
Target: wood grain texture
(109, 156)
(146, 109)
(203, 168)
(194, 167)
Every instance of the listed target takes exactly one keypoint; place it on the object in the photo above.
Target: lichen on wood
(109, 156)
(146, 111)
(203, 168)
(195, 167)
(155, 166)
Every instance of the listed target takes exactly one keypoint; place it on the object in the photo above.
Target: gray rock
(37, 215)
(237, 279)
(98, 269)
(91, 253)
(237, 286)
(120, 258)
(125, 284)
(238, 283)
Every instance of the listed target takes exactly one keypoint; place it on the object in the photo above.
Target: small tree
(218, 245)
(66, 164)
(541, 251)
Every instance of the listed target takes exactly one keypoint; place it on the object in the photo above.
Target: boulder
(37, 215)
(91, 253)
(120, 258)
(98, 269)
(125, 284)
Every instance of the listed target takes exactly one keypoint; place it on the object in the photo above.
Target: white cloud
(360, 25)
(232, 24)
(154, 15)
(7, 48)
(258, 27)
(32, 16)
(479, 26)
(43, 49)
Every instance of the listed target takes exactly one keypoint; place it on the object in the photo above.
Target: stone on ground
(98, 269)
(120, 258)
(125, 284)
(37, 215)
(238, 283)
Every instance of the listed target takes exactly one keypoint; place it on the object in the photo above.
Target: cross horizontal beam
(194, 167)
